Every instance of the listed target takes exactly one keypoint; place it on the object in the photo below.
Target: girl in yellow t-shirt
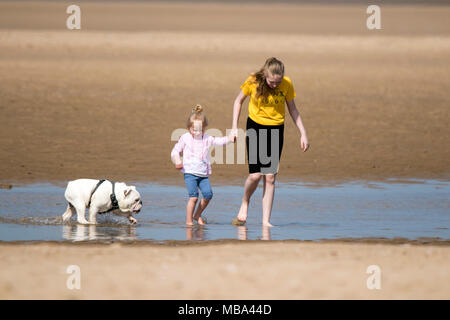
(269, 91)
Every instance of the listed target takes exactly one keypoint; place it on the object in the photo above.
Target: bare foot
(189, 224)
(267, 224)
(200, 220)
(243, 213)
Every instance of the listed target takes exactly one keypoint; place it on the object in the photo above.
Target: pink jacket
(196, 158)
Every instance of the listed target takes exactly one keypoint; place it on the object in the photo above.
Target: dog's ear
(126, 192)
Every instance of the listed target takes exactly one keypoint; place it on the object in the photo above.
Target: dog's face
(131, 201)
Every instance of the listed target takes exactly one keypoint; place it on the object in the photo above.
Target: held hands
(233, 135)
(179, 166)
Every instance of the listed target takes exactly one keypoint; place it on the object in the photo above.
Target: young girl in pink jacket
(196, 163)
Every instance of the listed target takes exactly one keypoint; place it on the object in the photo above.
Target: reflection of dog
(83, 232)
(101, 196)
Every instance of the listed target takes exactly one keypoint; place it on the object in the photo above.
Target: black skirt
(264, 145)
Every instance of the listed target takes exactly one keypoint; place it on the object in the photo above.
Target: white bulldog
(81, 195)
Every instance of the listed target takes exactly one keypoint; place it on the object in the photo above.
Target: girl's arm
(237, 112)
(177, 149)
(220, 141)
(304, 144)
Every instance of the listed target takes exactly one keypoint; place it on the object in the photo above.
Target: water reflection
(352, 210)
(242, 232)
(195, 233)
(266, 233)
(80, 232)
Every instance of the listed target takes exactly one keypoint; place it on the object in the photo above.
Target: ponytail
(197, 114)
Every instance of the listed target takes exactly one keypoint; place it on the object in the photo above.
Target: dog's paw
(132, 220)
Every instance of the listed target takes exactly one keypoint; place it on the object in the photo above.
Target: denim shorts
(193, 183)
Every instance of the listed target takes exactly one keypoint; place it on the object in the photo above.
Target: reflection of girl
(269, 90)
(196, 165)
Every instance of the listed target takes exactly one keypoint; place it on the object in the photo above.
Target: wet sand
(287, 270)
(103, 101)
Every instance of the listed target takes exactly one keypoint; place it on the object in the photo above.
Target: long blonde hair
(272, 66)
(196, 114)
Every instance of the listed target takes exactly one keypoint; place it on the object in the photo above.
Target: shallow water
(409, 209)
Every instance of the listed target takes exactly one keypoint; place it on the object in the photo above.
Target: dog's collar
(114, 202)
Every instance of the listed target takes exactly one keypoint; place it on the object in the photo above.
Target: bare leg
(267, 200)
(201, 207)
(190, 210)
(250, 186)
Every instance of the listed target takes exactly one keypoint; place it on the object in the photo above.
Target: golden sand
(235, 270)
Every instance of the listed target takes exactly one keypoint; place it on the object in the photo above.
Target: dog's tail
(68, 213)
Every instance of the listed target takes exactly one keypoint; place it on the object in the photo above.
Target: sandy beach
(103, 102)
(224, 270)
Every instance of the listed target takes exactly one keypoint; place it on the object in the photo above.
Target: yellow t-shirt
(271, 110)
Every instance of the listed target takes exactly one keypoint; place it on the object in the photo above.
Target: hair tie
(198, 108)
